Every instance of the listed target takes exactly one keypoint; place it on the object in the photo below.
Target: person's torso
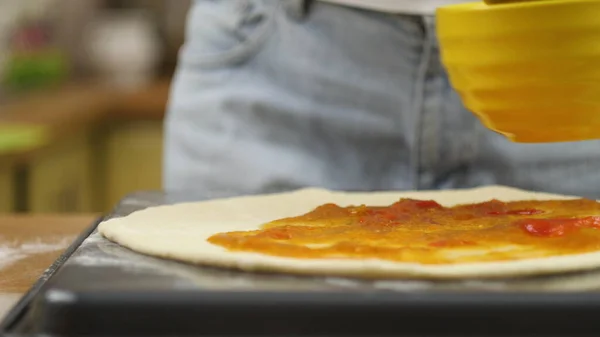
(422, 7)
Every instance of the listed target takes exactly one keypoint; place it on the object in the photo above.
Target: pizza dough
(180, 231)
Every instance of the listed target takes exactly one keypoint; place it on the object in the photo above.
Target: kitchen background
(83, 88)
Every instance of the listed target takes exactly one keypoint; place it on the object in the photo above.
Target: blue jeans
(265, 99)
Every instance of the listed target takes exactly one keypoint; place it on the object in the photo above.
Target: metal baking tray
(98, 288)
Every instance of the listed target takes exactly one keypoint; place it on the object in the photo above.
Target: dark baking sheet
(104, 289)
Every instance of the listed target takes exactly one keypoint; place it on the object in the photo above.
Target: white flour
(96, 251)
(11, 252)
(94, 239)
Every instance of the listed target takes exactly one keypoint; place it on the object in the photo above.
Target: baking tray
(98, 288)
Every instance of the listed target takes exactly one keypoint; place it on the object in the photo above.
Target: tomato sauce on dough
(423, 231)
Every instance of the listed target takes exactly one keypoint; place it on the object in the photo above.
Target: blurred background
(83, 89)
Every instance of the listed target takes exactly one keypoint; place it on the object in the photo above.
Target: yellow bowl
(529, 70)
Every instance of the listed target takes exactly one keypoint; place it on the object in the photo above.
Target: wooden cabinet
(87, 172)
(132, 159)
(87, 164)
(59, 177)
(7, 188)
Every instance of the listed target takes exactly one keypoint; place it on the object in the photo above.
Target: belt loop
(306, 6)
(431, 29)
(299, 9)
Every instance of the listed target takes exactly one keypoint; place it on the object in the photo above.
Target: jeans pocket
(225, 32)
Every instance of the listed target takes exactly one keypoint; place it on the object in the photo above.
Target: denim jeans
(267, 98)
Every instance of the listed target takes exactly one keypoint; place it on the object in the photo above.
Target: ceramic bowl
(529, 70)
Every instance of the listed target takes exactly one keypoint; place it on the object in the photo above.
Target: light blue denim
(266, 99)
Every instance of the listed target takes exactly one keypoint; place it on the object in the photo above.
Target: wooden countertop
(67, 109)
(28, 245)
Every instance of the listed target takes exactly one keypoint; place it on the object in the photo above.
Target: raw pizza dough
(180, 231)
